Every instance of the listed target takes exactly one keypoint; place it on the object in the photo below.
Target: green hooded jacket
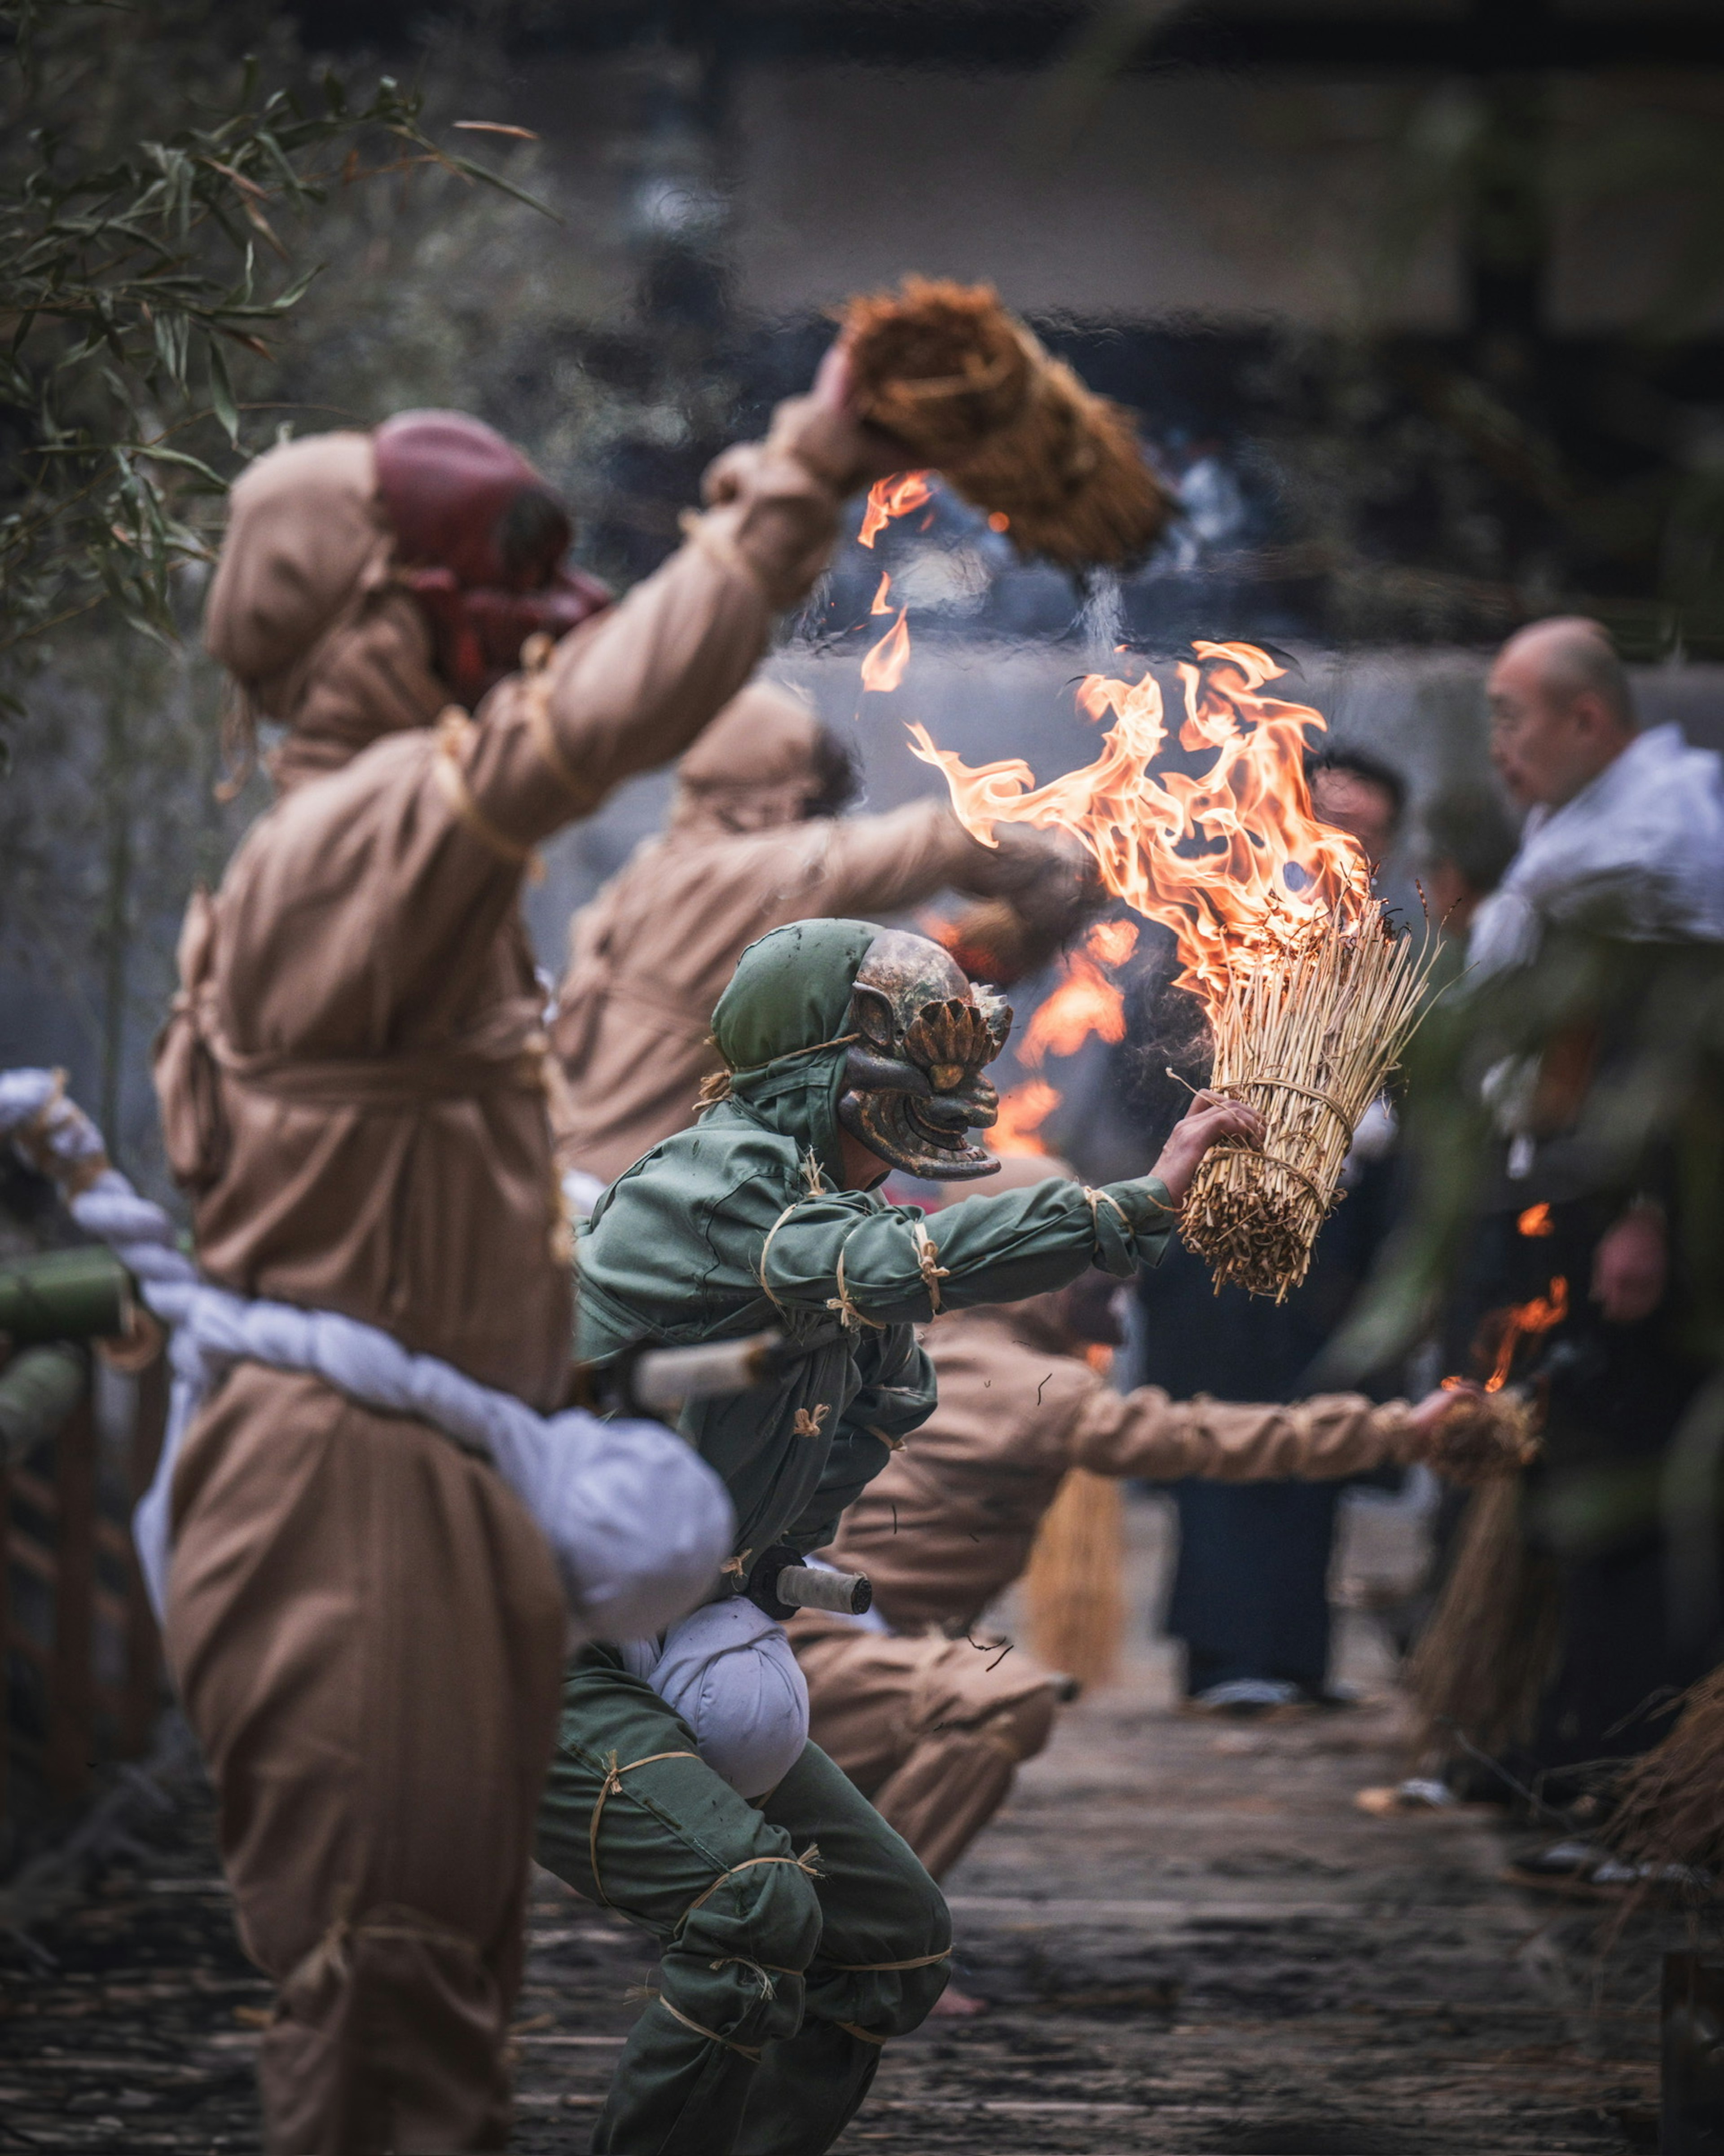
(738, 1224)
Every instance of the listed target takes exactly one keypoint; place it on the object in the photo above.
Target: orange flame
(882, 598)
(1537, 1220)
(883, 668)
(1023, 1111)
(1233, 860)
(888, 498)
(1085, 1001)
(1526, 1321)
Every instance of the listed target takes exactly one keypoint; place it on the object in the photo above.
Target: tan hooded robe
(364, 1625)
(928, 1726)
(650, 955)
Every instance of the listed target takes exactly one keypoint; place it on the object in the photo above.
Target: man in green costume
(797, 1931)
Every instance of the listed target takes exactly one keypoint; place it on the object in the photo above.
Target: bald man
(1625, 829)
(1624, 835)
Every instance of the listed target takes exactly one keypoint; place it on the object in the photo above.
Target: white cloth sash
(638, 1522)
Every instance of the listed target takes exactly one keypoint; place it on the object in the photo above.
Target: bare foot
(955, 2006)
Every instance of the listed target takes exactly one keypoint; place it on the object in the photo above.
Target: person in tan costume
(926, 1724)
(754, 842)
(364, 1625)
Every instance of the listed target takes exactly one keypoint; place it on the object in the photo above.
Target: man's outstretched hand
(1209, 1119)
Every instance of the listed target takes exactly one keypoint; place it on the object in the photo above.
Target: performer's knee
(736, 1967)
(1022, 1729)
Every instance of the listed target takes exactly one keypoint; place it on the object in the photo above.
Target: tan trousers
(924, 1727)
(365, 1629)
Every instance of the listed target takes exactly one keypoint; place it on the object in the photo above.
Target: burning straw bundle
(969, 391)
(1306, 1036)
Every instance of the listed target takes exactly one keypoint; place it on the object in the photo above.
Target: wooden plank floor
(1192, 1939)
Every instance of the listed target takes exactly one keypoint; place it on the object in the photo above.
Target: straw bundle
(1489, 1651)
(1308, 1038)
(1074, 1600)
(968, 391)
(1484, 1437)
(1671, 1803)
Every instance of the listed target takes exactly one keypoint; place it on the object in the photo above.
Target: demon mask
(913, 1084)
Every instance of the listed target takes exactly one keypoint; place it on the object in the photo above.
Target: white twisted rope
(637, 1521)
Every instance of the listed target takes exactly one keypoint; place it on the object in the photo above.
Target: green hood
(790, 994)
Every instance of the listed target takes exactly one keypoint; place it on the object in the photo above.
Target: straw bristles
(1307, 1038)
(1671, 1803)
(1074, 1600)
(969, 391)
(1491, 1647)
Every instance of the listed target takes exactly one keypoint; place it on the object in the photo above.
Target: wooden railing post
(71, 1734)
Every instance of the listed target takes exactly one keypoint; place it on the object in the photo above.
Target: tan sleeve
(869, 864)
(1145, 1433)
(633, 688)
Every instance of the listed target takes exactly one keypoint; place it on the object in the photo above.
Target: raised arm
(634, 687)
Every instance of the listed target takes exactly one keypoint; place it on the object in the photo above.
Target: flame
(882, 598)
(888, 498)
(1085, 1001)
(883, 668)
(1023, 1111)
(1526, 1321)
(1113, 941)
(1537, 1220)
(1233, 860)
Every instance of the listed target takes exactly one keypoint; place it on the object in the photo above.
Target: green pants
(795, 1937)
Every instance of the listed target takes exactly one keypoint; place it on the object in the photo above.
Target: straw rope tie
(750, 2052)
(1095, 1198)
(808, 1864)
(862, 2036)
(452, 728)
(1289, 1086)
(874, 1968)
(927, 1262)
(612, 1786)
(1274, 1160)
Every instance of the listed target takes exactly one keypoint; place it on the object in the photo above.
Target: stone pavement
(1192, 1939)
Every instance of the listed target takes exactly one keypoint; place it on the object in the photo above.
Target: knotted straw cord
(849, 1316)
(750, 2052)
(927, 1262)
(718, 1087)
(608, 1788)
(1273, 1160)
(872, 1967)
(452, 729)
(1289, 1085)
(1095, 1197)
(768, 1989)
(807, 1864)
(544, 740)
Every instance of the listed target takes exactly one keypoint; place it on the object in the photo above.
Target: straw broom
(971, 392)
(1307, 1037)
(1491, 1647)
(1074, 1600)
(1671, 1803)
